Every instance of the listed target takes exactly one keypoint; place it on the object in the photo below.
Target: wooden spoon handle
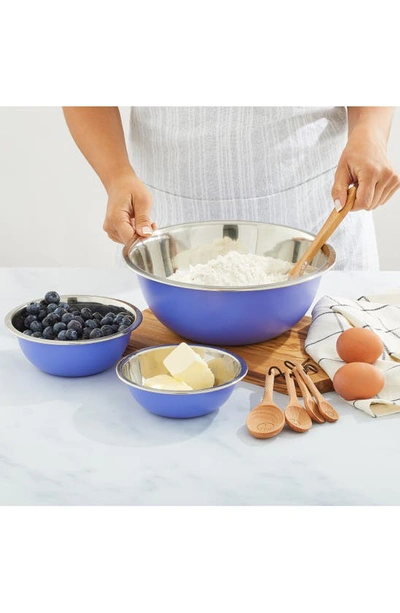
(310, 383)
(268, 388)
(334, 219)
(327, 411)
(290, 387)
(309, 403)
(303, 387)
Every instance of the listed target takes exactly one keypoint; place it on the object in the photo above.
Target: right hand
(128, 210)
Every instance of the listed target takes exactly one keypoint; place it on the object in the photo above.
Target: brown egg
(359, 345)
(357, 381)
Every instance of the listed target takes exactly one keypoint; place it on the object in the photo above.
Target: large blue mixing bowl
(76, 358)
(183, 404)
(225, 315)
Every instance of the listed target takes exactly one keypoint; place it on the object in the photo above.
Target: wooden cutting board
(259, 357)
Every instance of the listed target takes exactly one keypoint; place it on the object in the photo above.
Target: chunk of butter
(166, 382)
(186, 365)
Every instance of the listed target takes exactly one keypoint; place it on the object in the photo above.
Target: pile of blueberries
(52, 319)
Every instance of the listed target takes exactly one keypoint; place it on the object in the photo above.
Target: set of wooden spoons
(267, 419)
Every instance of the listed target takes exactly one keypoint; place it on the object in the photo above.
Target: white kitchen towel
(332, 315)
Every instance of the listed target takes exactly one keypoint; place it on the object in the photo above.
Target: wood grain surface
(259, 357)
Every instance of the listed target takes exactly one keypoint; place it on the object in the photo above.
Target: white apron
(268, 164)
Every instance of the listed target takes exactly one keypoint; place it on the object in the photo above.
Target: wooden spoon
(334, 219)
(266, 419)
(296, 416)
(310, 404)
(324, 407)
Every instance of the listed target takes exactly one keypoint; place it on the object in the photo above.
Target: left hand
(364, 162)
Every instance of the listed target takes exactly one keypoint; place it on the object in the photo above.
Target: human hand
(128, 209)
(364, 162)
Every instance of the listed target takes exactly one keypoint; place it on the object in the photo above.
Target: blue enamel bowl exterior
(225, 315)
(76, 358)
(228, 318)
(179, 405)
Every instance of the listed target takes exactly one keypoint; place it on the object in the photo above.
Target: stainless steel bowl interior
(14, 319)
(168, 249)
(145, 363)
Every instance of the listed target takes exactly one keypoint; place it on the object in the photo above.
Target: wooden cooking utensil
(266, 419)
(334, 219)
(310, 404)
(296, 416)
(324, 407)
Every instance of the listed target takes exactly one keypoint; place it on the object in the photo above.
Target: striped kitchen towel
(331, 316)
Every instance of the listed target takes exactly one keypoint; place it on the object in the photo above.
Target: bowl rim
(63, 298)
(327, 248)
(119, 366)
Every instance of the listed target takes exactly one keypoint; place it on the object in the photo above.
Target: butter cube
(165, 382)
(186, 365)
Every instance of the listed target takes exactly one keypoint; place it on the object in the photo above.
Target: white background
(53, 204)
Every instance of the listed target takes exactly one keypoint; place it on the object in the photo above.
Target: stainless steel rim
(124, 360)
(328, 250)
(105, 300)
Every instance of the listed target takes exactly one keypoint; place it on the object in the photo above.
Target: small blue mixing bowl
(75, 358)
(228, 369)
(225, 315)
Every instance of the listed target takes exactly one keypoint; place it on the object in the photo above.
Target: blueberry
(28, 332)
(48, 333)
(64, 305)
(110, 315)
(62, 335)
(96, 333)
(127, 320)
(86, 313)
(106, 330)
(74, 325)
(106, 321)
(37, 335)
(52, 297)
(66, 318)
(36, 326)
(122, 327)
(79, 319)
(59, 311)
(33, 308)
(50, 319)
(42, 314)
(119, 318)
(86, 333)
(115, 328)
(29, 319)
(58, 327)
(75, 312)
(51, 307)
(91, 324)
(71, 335)
(97, 316)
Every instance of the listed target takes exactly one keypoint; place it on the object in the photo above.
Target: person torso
(221, 153)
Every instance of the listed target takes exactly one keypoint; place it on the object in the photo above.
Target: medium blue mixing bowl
(76, 358)
(229, 369)
(225, 315)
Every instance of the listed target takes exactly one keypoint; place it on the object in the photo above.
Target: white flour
(235, 269)
(205, 252)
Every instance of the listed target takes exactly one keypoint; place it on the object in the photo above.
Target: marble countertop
(85, 441)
